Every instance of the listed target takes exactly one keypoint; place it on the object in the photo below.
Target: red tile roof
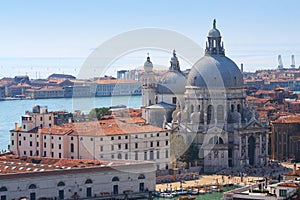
(120, 122)
(11, 164)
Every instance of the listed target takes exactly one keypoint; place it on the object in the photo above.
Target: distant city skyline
(41, 38)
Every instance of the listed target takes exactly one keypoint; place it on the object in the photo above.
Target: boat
(202, 191)
(118, 106)
(181, 192)
(174, 193)
(186, 198)
(166, 195)
(215, 188)
(194, 191)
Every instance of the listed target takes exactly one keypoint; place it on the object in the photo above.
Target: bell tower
(148, 82)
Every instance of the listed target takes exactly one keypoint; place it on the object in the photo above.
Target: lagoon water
(11, 111)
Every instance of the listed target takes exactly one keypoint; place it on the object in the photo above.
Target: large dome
(215, 71)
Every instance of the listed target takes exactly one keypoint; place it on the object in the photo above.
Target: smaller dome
(214, 33)
(172, 82)
(148, 66)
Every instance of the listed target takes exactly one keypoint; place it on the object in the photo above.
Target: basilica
(206, 107)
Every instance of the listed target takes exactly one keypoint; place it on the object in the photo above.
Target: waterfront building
(123, 135)
(48, 178)
(116, 87)
(2, 91)
(45, 92)
(209, 110)
(17, 90)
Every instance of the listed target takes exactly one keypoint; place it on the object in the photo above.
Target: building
(2, 91)
(21, 79)
(209, 110)
(123, 136)
(115, 87)
(45, 92)
(48, 178)
(17, 90)
(285, 138)
(61, 76)
(278, 191)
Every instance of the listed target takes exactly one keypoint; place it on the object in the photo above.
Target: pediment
(253, 124)
(215, 130)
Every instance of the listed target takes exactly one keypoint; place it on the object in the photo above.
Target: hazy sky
(56, 36)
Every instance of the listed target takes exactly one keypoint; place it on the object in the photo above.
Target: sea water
(12, 110)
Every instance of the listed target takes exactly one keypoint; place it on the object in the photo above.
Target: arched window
(88, 181)
(32, 186)
(192, 108)
(239, 108)
(220, 113)
(199, 108)
(119, 156)
(72, 148)
(3, 189)
(115, 179)
(141, 176)
(210, 111)
(60, 184)
(216, 140)
(232, 108)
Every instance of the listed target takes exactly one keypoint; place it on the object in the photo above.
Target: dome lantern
(174, 62)
(214, 46)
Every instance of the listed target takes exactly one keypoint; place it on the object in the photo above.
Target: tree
(191, 154)
(99, 112)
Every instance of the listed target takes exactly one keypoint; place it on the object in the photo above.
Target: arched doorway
(251, 150)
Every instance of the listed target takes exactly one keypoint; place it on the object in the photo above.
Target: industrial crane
(293, 62)
(280, 64)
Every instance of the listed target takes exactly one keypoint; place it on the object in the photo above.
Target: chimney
(242, 67)
(294, 169)
(16, 125)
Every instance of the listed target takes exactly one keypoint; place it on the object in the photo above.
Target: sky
(39, 38)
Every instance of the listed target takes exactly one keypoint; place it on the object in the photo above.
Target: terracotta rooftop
(266, 108)
(11, 164)
(48, 88)
(120, 122)
(265, 92)
(288, 185)
(288, 119)
(293, 102)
